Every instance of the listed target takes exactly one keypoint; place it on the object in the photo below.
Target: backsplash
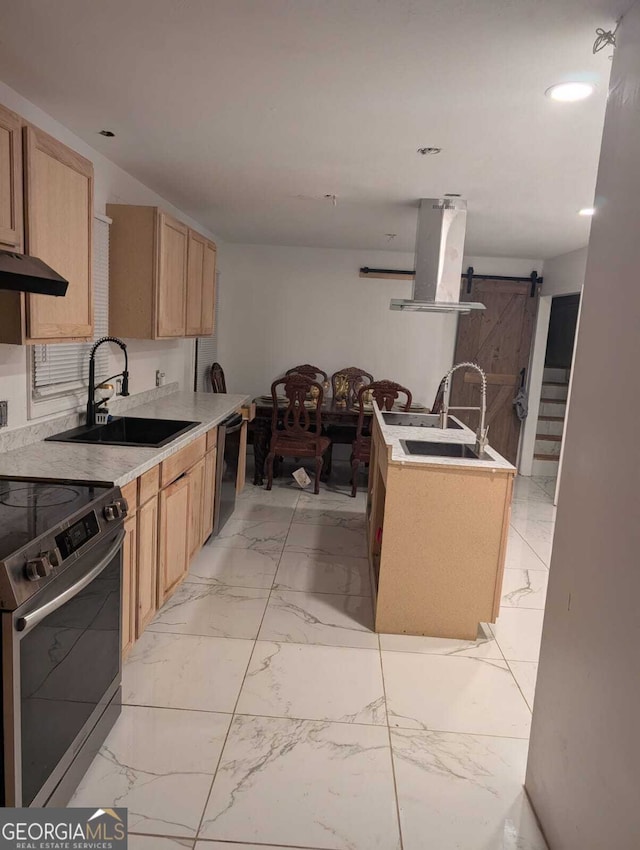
(36, 431)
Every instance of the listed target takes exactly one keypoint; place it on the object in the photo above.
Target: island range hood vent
(21, 273)
(442, 223)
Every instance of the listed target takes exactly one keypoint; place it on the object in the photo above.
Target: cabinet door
(129, 551)
(10, 179)
(195, 268)
(59, 221)
(196, 476)
(209, 494)
(208, 290)
(172, 277)
(173, 534)
(147, 578)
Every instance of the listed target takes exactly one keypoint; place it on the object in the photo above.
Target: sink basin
(128, 431)
(458, 450)
(416, 420)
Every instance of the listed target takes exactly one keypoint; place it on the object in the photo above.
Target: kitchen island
(437, 532)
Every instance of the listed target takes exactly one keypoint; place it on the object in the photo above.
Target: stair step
(545, 457)
(555, 375)
(553, 400)
(555, 438)
(551, 418)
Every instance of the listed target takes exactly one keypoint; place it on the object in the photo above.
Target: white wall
(582, 775)
(282, 306)
(112, 185)
(564, 275)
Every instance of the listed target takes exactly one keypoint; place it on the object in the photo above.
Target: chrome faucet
(481, 433)
(92, 405)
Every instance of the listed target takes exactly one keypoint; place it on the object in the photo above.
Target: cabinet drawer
(178, 463)
(130, 493)
(148, 484)
(212, 439)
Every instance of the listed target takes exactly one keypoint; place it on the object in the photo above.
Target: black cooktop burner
(31, 508)
(44, 496)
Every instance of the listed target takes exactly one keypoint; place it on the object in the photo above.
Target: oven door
(63, 651)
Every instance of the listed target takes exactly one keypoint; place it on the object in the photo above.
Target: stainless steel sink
(416, 420)
(457, 450)
(128, 431)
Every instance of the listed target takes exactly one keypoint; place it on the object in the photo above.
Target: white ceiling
(245, 113)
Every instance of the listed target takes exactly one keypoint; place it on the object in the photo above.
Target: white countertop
(392, 434)
(120, 464)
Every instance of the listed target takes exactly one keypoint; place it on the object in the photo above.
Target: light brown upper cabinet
(10, 180)
(201, 285)
(162, 276)
(57, 210)
(59, 225)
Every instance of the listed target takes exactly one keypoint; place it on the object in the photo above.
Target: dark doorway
(562, 331)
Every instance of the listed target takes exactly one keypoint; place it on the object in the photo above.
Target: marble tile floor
(261, 712)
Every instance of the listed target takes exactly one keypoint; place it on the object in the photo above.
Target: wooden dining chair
(297, 431)
(385, 394)
(218, 383)
(310, 371)
(355, 378)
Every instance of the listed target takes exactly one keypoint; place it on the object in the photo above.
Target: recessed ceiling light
(429, 151)
(108, 133)
(587, 211)
(570, 92)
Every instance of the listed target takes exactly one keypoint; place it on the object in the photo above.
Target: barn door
(499, 340)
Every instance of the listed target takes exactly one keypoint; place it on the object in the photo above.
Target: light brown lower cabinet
(173, 536)
(129, 557)
(147, 577)
(196, 476)
(165, 528)
(209, 494)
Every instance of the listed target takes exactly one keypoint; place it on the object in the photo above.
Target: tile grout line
(235, 705)
(518, 684)
(393, 765)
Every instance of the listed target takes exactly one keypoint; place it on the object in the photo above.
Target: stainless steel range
(60, 601)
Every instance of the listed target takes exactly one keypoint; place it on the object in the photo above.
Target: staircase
(553, 407)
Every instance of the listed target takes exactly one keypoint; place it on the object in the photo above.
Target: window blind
(207, 350)
(61, 369)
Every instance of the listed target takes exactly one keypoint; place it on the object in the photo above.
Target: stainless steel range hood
(442, 223)
(22, 273)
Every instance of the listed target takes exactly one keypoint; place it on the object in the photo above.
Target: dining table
(332, 412)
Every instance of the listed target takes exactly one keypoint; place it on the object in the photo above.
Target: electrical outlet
(4, 413)
(159, 378)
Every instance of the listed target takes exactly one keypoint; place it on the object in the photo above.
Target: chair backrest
(384, 393)
(354, 378)
(308, 370)
(298, 420)
(218, 383)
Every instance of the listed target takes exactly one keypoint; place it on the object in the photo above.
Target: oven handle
(29, 621)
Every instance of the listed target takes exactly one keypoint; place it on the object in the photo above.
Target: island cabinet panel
(11, 223)
(442, 549)
(172, 278)
(129, 558)
(59, 222)
(173, 537)
(147, 578)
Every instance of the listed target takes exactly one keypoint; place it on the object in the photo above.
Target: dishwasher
(226, 470)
